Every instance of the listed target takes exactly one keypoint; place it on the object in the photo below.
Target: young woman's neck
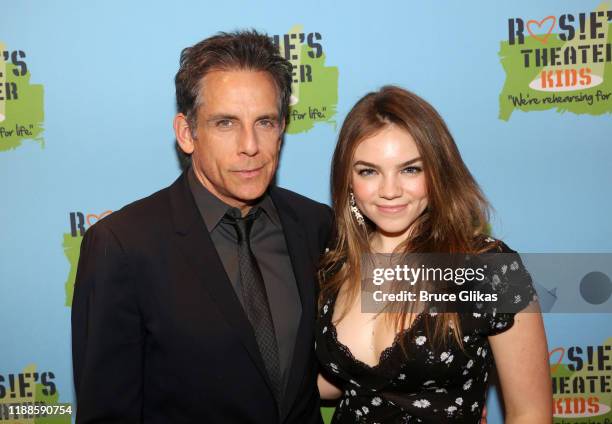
(381, 242)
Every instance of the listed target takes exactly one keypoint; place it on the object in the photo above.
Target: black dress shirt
(270, 249)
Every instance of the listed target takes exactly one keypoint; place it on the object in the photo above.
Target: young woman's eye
(412, 170)
(366, 172)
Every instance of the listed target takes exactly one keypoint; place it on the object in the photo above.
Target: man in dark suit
(197, 303)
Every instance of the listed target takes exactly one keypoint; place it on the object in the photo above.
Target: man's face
(237, 140)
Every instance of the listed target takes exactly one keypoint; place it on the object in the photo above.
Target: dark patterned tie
(255, 299)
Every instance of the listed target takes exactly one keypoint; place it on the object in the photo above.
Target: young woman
(399, 185)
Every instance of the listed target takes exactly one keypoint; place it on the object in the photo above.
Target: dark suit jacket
(158, 334)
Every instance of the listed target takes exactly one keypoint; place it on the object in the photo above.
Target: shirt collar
(212, 208)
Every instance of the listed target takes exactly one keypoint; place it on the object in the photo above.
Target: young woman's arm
(521, 356)
(327, 390)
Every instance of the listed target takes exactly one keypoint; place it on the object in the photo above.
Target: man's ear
(182, 132)
(283, 126)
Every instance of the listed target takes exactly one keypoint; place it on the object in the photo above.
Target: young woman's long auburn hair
(454, 221)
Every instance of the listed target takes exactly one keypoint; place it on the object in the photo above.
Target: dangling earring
(355, 210)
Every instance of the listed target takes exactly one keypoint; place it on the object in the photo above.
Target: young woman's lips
(391, 209)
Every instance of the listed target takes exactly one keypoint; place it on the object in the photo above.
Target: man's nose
(248, 143)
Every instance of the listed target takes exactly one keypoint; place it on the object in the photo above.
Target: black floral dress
(424, 384)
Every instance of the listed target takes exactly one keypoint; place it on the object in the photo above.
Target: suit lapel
(304, 271)
(197, 247)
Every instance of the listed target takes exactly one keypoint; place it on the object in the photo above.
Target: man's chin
(251, 189)
(250, 196)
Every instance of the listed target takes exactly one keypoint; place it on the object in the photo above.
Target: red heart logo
(96, 217)
(550, 354)
(543, 38)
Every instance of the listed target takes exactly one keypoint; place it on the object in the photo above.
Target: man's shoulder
(144, 216)
(299, 204)
(296, 199)
(314, 218)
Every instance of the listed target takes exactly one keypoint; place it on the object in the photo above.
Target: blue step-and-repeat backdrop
(86, 108)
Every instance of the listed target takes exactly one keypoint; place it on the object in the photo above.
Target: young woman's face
(388, 181)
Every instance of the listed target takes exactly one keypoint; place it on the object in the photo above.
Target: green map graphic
(72, 247)
(37, 396)
(518, 78)
(605, 397)
(21, 118)
(317, 100)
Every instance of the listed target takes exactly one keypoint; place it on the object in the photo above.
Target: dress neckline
(385, 354)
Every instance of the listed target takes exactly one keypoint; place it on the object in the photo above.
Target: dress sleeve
(510, 281)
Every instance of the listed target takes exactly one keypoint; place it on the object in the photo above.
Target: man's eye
(267, 123)
(224, 123)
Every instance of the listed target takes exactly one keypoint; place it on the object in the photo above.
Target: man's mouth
(250, 172)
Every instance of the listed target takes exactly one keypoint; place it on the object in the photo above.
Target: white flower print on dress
(451, 410)
(514, 266)
(428, 382)
(477, 315)
(353, 382)
(459, 401)
(470, 364)
(466, 339)
(325, 308)
(401, 377)
(467, 384)
(474, 406)
(421, 403)
(420, 340)
(444, 355)
(376, 401)
(324, 330)
(334, 367)
(517, 298)
(504, 268)
(365, 409)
